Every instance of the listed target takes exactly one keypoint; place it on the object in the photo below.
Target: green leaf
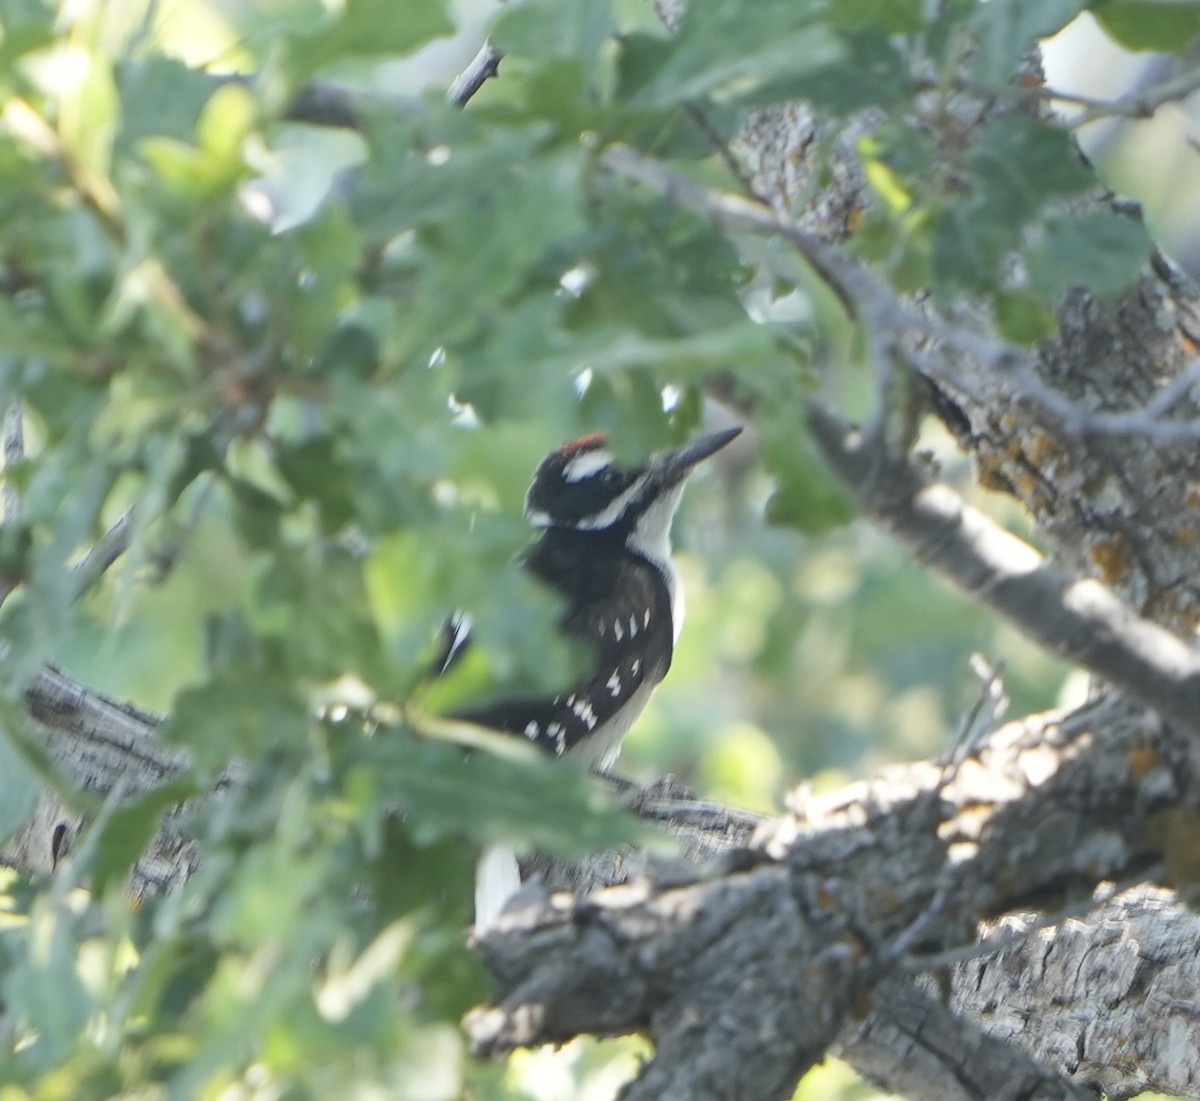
(1102, 250)
(225, 122)
(730, 51)
(28, 25)
(19, 783)
(1163, 27)
(806, 496)
(970, 240)
(239, 714)
(257, 513)
(872, 72)
(314, 610)
(1016, 168)
(368, 28)
(88, 120)
(1022, 317)
(1019, 164)
(511, 794)
(160, 95)
(316, 471)
(539, 29)
(124, 834)
(1008, 29)
(894, 17)
(45, 983)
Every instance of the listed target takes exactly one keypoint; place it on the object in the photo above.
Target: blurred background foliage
(315, 368)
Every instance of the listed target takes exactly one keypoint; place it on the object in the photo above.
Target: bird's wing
(625, 621)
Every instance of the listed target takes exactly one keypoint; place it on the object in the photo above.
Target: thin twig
(1081, 621)
(885, 316)
(1136, 105)
(985, 712)
(114, 543)
(721, 148)
(852, 285)
(14, 453)
(484, 65)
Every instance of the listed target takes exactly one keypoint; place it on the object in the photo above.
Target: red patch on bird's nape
(596, 439)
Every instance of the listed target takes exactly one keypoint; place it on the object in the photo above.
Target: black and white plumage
(604, 546)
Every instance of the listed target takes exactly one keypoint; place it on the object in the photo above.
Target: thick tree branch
(762, 962)
(1080, 620)
(916, 1045)
(910, 1043)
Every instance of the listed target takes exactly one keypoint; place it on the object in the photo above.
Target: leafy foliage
(319, 418)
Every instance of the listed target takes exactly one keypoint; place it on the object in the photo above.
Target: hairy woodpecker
(604, 545)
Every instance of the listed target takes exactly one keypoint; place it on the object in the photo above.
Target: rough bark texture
(745, 977)
(917, 1045)
(1142, 949)
(108, 749)
(1119, 505)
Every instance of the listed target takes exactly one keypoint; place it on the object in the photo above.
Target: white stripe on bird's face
(616, 508)
(585, 464)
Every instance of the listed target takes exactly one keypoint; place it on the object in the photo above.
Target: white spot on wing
(614, 684)
(531, 729)
(603, 745)
(636, 667)
(584, 712)
(618, 630)
(633, 627)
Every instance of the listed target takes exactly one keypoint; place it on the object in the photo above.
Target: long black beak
(674, 466)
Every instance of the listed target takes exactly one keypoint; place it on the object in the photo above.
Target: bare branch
(1041, 989)
(911, 1041)
(851, 284)
(113, 544)
(14, 453)
(484, 65)
(1082, 621)
(1141, 104)
(322, 103)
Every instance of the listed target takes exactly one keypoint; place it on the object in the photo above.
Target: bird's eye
(610, 477)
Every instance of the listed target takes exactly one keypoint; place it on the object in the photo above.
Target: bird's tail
(497, 879)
